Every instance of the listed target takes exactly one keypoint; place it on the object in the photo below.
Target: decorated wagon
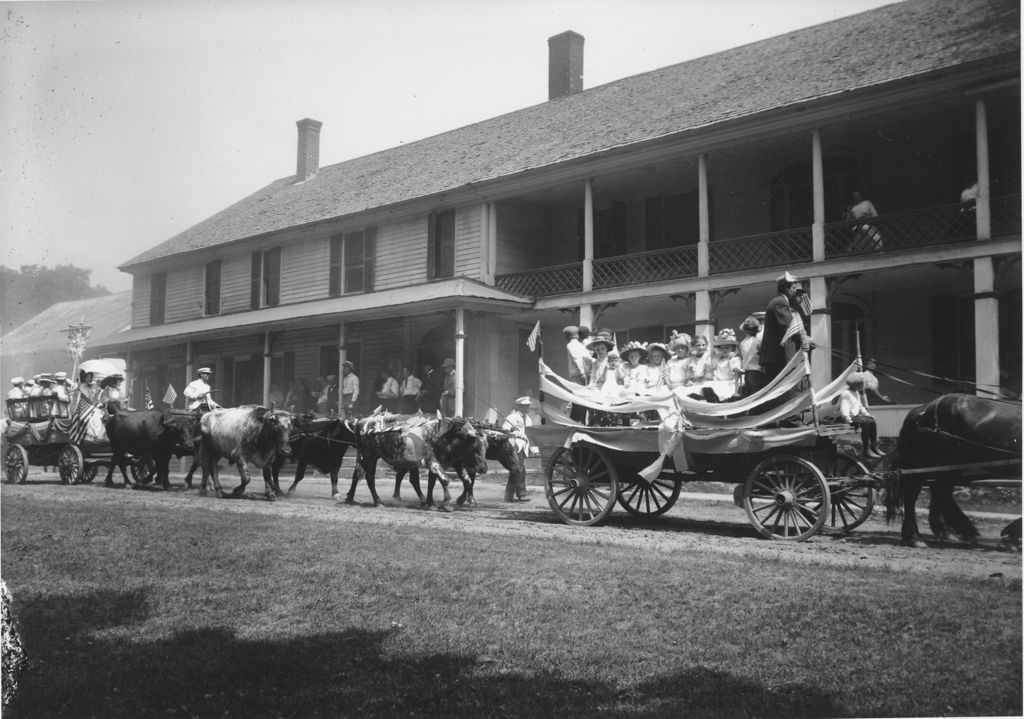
(791, 480)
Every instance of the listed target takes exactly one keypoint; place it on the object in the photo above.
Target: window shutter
(272, 276)
(445, 244)
(256, 281)
(369, 258)
(432, 246)
(334, 288)
(213, 287)
(157, 298)
(353, 262)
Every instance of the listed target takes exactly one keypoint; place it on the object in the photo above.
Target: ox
(149, 435)
(413, 442)
(244, 435)
(500, 448)
(950, 431)
(321, 443)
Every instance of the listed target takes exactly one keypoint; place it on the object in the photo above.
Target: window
(266, 278)
(157, 298)
(441, 245)
(352, 262)
(609, 231)
(212, 304)
(673, 221)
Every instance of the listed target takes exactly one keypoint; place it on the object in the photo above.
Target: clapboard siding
(140, 301)
(235, 274)
(401, 254)
(467, 241)
(304, 270)
(184, 294)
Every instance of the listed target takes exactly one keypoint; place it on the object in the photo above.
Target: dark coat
(777, 318)
(433, 386)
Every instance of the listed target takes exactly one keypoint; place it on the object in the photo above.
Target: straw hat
(652, 346)
(601, 339)
(679, 339)
(523, 401)
(640, 347)
(726, 338)
(448, 362)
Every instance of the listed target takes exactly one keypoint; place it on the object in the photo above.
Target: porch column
(818, 184)
(190, 363)
(703, 324)
(821, 333)
(487, 243)
(492, 241)
(588, 235)
(460, 357)
(983, 213)
(986, 325)
(341, 360)
(704, 225)
(587, 316)
(266, 369)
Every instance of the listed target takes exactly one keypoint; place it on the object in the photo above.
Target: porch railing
(543, 282)
(644, 267)
(933, 226)
(773, 249)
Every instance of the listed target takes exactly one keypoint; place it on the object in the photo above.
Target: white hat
(60, 376)
(787, 277)
(523, 400)
(204, 370)
(17, 380)
(448, 362)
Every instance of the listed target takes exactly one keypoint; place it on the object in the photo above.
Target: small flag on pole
(531, 341)
(148, 398)
(80, 420)
(170, 395)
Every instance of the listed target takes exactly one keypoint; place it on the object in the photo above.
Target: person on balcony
(866, 236)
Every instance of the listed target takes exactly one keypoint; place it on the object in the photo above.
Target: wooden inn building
(666, 200)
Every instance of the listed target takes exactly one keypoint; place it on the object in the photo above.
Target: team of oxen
(254, 437)
(949, 442)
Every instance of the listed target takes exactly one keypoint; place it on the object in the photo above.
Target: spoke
(558, 493)
(763, 507)
(630, 493)
(661, 491)
(596, 476)
(768, 490)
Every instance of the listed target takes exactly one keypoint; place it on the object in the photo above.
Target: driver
(198, 392)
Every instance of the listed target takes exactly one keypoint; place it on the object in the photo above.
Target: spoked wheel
(70, 464)
(581, 484)
(16, 464)
(142, 471)
(786, 498)
(88, 473)
(851, 504)
(648, 499)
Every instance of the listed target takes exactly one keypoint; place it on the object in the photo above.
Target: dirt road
(697, 523)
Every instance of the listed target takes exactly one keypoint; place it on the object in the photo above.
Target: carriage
(42, 431)
(791, 481)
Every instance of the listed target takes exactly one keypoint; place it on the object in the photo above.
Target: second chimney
(308, 163)
(565, 64)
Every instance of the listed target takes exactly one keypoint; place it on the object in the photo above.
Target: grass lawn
(132, 611)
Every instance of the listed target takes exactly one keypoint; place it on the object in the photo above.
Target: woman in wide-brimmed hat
(698, 366)
(726, 372)
(657, 379)
(679, 347)
(632, 373)
(602, 367)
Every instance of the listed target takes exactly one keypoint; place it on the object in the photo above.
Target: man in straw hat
(349, 387)
(516, 422)
(448, 388)
(197, 393)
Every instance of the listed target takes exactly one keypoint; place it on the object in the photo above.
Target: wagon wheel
(70, 464)
(786, 497)
(142, 471)
(16, 464)
(648, 499)
(851, 505)
(581, 484)
(88, 473)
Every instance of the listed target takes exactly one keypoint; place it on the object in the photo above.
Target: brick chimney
(308, 163)
(565, 64)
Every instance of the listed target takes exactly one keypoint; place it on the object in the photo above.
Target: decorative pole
(78, 337)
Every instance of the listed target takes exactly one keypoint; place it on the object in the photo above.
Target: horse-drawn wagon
(792, 481)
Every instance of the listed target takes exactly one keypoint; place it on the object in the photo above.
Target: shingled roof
(895, 42)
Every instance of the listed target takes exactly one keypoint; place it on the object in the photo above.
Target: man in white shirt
(197, 393)
(409, 390)
(349, 388)
(580, 361)
(516, 422)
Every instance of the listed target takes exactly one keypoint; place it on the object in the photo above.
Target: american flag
(531, 341)
(148, 398)
(80, 419)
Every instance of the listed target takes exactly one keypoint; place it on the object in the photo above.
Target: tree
(29, 290)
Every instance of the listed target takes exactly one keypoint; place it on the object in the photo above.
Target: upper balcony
(888, 233)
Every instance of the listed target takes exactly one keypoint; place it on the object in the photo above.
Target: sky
(125, 123)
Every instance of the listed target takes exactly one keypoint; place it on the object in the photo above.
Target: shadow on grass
(213, 672)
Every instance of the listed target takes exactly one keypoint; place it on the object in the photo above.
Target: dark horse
(950, 431)
(500, 448)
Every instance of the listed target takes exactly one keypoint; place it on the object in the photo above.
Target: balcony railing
(774, 249)
(933, 226)
(645, 267)
(557, 280)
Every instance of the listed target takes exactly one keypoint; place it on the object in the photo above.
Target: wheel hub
(785, 498)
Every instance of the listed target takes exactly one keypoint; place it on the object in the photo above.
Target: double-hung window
(265, 289)
(352, 262)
